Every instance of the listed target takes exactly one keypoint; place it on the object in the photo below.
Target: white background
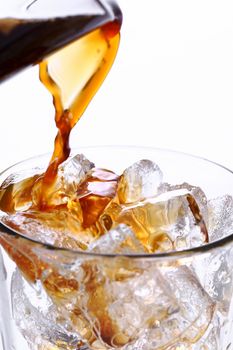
(171, 87)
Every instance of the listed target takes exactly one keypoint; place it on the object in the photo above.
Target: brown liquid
(73, 76)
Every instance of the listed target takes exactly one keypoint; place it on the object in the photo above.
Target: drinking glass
(55, 298)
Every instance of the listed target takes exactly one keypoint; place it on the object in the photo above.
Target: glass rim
(185, 253)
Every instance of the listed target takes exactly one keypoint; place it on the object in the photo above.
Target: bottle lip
(163, 256)
(39, 9)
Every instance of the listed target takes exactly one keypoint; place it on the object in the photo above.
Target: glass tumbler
(53, 298)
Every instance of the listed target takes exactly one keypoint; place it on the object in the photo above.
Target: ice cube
(95, 193)
(220, 217)
(211, 339)
(155, 307)
(70, 174)
(190, 315)
(20, 176)
(168, 221)
(195, 191)
(120, 240)
(57, 227)
(141, 180)
(15, 193)
(215, 270)
(37, 317)
(197, 306)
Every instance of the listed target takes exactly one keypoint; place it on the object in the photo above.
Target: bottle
(31, 31)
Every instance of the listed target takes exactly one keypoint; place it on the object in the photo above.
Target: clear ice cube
(20, 176)
(215, 270)
(73, 171)
(196, 192)
(59, 228)
(70, 174)
(120, 240)
(151, 309)
(141, 180)
(220, 217)
(95, 193)
(37, 317)
(211, 338)
(168, 221)
(16, 193)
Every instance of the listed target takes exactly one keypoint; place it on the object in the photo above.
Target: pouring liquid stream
(73, 76)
